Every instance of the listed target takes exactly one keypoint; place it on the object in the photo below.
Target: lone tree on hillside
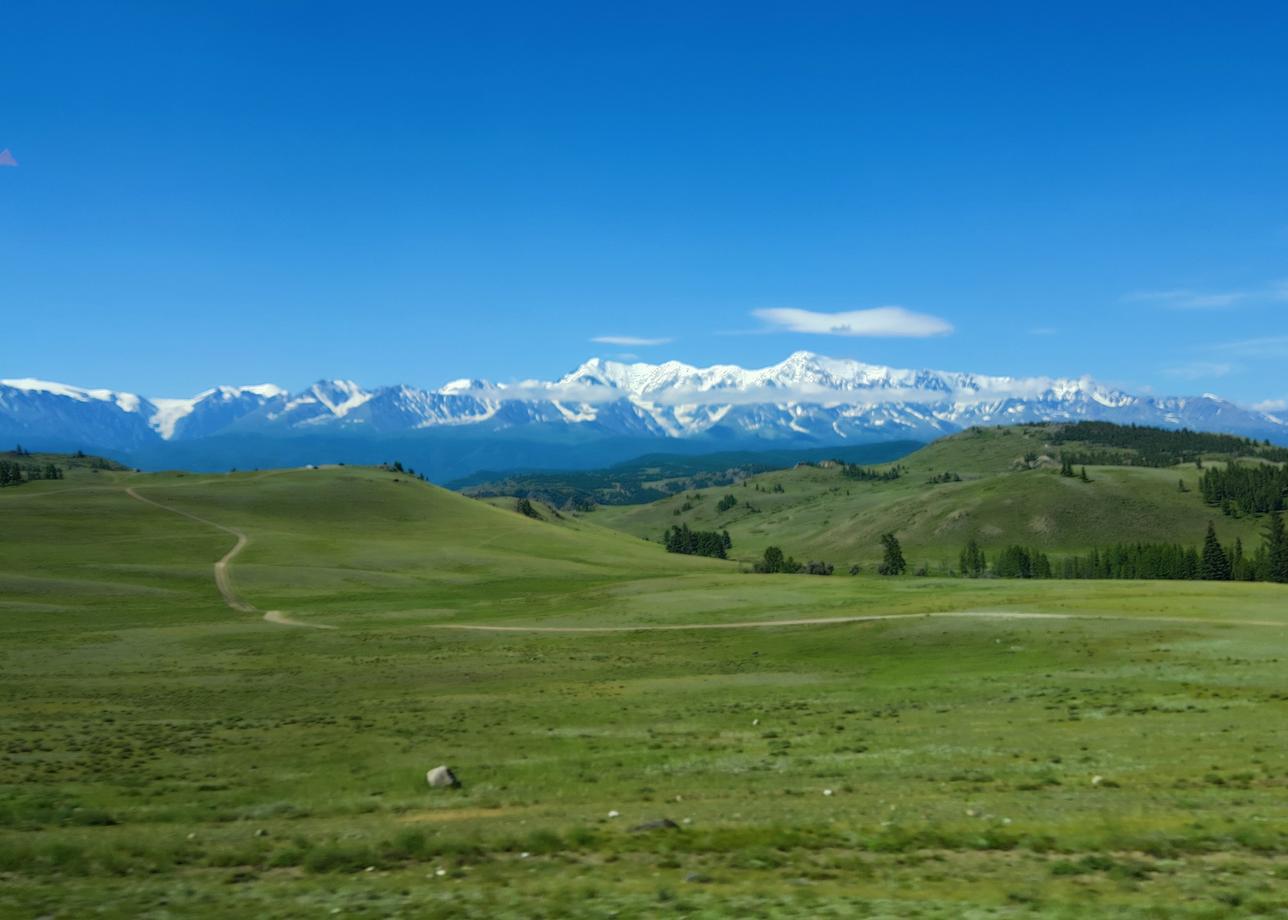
(1276, 550)
(1214, 564)
(774, 563)
(892, 561)
(972, 560)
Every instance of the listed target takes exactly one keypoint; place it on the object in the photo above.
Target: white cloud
(628, 341)
(1271, 405)
(1200, 370)
(1187, 299)
(1272, 346)
(7, 158)
(878, 321)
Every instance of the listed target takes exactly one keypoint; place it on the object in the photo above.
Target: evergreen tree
(695, 542)
(774, 563)
(972, 560)
(892, 562)
(1215, 565)
(1013, 562)
(1276, 550)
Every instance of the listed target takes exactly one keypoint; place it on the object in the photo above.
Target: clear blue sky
(236, 192)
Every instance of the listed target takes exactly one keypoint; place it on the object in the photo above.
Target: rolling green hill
(1010, 492)
(324, 541)
(823, 746)
(655, 476)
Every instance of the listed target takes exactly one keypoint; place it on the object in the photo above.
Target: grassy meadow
(163, 755)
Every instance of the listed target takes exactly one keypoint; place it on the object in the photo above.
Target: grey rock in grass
(442, 777)
(661, 824)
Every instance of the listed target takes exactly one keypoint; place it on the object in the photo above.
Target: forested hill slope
(999, 486)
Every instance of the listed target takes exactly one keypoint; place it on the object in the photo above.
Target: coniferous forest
(1156, 447)
(697, 542)
(867, 474)
(13, 473)
(1211, 561)
(1246, 488)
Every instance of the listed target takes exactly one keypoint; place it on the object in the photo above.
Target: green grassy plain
(820, 514)
(164, 755)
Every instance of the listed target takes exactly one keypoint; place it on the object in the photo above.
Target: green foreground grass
(163, 755)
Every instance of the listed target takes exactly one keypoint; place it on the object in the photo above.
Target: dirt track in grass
(223, 578)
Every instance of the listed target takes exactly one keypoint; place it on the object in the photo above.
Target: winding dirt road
(223, 580)
(865, 618)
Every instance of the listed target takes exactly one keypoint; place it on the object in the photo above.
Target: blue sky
(238, 192)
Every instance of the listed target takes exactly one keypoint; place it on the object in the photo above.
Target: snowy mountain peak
(806, 398)
(128, 402)
(464, 385)
(339, 396)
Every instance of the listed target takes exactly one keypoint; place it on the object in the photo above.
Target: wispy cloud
(1200, 370)
(1271, 405)
(7, 158)
(629, 341)
(1189, 299)
(1272, 346)
(878, 321)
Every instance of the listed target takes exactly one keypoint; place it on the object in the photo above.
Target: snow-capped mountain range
(807, 398)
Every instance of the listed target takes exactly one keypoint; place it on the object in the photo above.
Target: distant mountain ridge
(806, 400)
